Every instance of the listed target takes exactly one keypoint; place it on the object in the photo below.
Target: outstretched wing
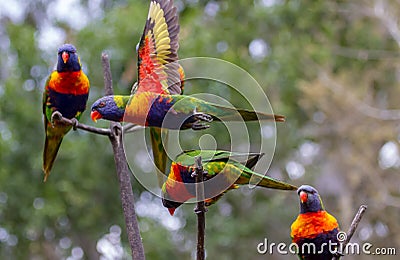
(158, 68)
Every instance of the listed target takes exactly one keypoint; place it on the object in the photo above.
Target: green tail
(222, 113)
(159, 138)
(51, 146)
(250, 177)
(187, 104)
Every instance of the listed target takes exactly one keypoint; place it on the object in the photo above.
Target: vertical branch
(352, 229)
(200, 208)
(105, 62)
(123, 173)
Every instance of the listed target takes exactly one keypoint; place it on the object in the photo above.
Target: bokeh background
(332, 67)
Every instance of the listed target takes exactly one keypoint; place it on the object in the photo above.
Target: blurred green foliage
(332, 67)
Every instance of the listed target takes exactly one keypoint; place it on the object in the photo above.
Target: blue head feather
(313, 203)
(108, 109)
(73, 63)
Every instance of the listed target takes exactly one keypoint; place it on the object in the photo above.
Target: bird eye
(102, 104)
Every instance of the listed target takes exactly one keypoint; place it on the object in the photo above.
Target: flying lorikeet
(158, 86)
(232, 169)
(158, 69)
(314, 228)
(170, 111)
(66, 91)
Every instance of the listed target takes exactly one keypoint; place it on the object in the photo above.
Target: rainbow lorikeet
(315, 230)
(155, 101)
(232, 169)
(160, 38)
(66, 91)
(170, 111)
(158, 69)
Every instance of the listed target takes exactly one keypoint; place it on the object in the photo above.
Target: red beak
(95, 115)
(65, 56)
(171, 211)
(303, 197)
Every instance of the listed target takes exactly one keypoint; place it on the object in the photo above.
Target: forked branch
(352, 229)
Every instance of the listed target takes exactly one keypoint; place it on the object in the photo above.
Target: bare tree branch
(57, 116)
(352, 229)
(129, 128)
(388, 19)
(123, 173)
(382, 114)
(200, 208)
(365, 54)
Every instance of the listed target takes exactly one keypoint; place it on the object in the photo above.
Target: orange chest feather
(151, 73)
(139, 106)
(75, 83)
(309, 225)
(176, 187)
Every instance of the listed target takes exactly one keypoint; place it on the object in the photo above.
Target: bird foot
(203, 117)
(198, 211)
(199, 119)
(74, 123)
(199, 126)
(194, 174)
(56, 116)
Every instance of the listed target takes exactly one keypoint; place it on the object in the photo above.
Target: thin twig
(123, 173)
(57, 116)
(200, 208)
(129, 128)
(364, 108)
(352, 229)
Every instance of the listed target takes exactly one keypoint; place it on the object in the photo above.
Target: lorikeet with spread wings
(179, 111)
(158, 69)
(66, 91)
(159, 79)
(232, 168)
(314, 226)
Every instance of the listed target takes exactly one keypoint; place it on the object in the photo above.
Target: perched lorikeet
(66, 91)
(232, 168)
(314, 227)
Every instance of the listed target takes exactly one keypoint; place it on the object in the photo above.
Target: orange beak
(65, 56)
(171, 211)
(95, 115)
(303, 197)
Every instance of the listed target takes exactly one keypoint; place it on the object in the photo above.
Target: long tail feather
(159, 138)
(268, 182)
(222, 113)
(51, 146)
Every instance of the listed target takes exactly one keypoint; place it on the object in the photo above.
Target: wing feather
(158, 68)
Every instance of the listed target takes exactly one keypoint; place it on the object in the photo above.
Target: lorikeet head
(110, 108)
(310, 201)
(68, 59)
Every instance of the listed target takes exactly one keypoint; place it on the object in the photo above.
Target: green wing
(187, 157)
